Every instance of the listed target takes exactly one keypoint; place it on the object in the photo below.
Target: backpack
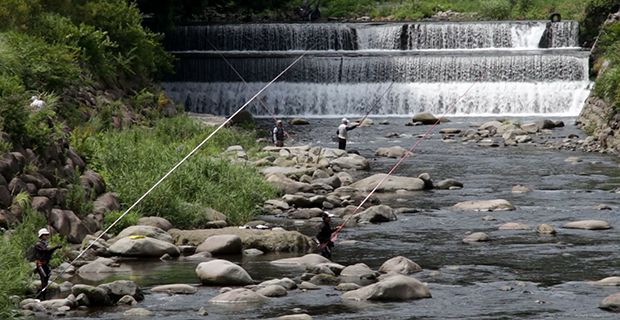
(31, 254)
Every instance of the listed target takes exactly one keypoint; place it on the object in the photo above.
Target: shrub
(134, 160)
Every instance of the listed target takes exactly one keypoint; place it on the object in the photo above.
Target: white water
(311, 99)
(433, 65)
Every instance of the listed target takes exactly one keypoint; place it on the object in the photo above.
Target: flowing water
(523, 70)
(547, 273)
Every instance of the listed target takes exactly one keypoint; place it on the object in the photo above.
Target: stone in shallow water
(588, 225)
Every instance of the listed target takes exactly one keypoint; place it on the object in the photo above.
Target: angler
(43, 254)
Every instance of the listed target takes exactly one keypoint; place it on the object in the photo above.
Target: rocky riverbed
(496, 223)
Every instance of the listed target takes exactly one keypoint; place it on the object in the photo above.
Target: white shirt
(342, 131)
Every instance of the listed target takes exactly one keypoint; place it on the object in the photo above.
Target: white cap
(327, 214)
(42, 232)
(279, 121)
(34, 97)
(345, 120)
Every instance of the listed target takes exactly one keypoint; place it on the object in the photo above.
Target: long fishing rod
(376, 102)
(335, 233)
(172, 170)
(246, 84)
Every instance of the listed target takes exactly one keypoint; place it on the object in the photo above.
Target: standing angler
(43, 253)
(325, 234)
(342, 133)
(278, 135)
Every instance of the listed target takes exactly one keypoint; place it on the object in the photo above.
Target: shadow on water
(518, 275)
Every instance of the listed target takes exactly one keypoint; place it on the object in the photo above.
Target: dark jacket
(43, 252)
(325, 232)
(278, 134)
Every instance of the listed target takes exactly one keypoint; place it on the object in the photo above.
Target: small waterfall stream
(526, 67)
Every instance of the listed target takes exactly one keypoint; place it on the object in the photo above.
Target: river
(518, 275)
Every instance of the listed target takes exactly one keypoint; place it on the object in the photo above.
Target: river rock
(514, 226)
(56, 303)
(145, 230)
(448, 184)
(588, 225)
(391, 184)
(359, 270)
(143, 247)
(96, 267)
(374, 214)
(351, 161)
(239, 296)
(96, 296)
(477, 237)
(424, 118)
(118, 289)
(396, 287)
(138, 312)
(68, 224)
(273, 290)
(301, 316)
(520, 189)
(158, 222)
(544, 228)
(485, 205)
(286, 283)
(391, 152)
(127, 300)
(400, 265)
(311, 258)
(178, 288)
(222, 273)
(288, 185)
(609, 281)
(611, 302)
(348, 286)
(222, 244)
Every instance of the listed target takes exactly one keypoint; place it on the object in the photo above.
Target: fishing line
(246, 84)
(400, 161)
(172, 170)
(377, 102)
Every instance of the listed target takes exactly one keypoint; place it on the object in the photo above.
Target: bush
(133, 161)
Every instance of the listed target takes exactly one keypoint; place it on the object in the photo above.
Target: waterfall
(527, 67)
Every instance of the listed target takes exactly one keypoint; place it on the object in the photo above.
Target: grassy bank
(132, 161)
(484, 9)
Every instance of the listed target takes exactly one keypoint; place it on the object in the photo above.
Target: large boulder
(390, 184)
(144, 230)
(222, 273)
(400, 265)
(588, 225)
(222, 244)
(178, 288)
(288, 185)
(380, 213)
(351, 161)
(397, 287)
(158, 222)
(69, 225)
(143, 247)
(96, 296)
(120, 288)
(424, 118)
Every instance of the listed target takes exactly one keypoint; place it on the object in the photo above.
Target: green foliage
(128, 220)
(133, 161)
(607, 85)
(76, 197)
(496, 9)
(594, 13)
(347, 8)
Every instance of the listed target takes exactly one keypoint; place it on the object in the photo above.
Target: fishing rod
(172, 170)
(246, 84)
(376, 102)
(335, 233)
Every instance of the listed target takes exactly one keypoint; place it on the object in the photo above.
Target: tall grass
(132, 161)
